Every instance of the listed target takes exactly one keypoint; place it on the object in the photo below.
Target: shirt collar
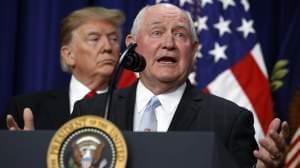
(78, 90)
(143, 95)
(169, 101)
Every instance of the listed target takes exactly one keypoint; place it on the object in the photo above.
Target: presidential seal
(87, 142)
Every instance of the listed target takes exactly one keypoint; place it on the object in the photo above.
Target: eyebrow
(98, 34)
(181, 26)
(93, 33)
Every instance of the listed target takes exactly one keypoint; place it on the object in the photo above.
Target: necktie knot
(90, 94)
(148, 121)
(153, 104)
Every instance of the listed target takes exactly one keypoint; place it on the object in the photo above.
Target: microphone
(130, 60)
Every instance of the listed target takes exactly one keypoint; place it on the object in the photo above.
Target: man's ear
(67, 55)
(195, 48)
(130, 39)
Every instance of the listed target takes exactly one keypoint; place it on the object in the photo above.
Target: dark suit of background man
(166, 38)
(89, 40)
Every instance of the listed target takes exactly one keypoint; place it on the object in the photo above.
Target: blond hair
(80, 17)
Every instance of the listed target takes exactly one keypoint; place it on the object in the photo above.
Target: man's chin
(167, 79)
(105, 73)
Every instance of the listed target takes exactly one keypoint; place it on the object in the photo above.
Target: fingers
(28, 120)
(273, 146)
(285, 130)
(267, 156)
(280, 138)
(278, 141)
(11, 123)
(270, 147)
(263, 159)
(274, 125)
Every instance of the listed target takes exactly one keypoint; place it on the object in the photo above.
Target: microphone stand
(130, 60)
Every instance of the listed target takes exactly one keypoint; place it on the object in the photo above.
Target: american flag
(229, 60)
(293, 156)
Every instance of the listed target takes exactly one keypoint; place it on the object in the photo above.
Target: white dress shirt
(164, 113)
(78, 90)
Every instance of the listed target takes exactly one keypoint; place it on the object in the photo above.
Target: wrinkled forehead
(165, 14)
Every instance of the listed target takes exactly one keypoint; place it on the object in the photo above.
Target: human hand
(28, 121)
(273, 147)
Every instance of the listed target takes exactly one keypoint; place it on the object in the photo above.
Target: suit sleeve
(242, 141)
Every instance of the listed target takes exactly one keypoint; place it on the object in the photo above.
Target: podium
(145, 150)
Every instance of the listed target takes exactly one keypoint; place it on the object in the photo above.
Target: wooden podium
(145, 150)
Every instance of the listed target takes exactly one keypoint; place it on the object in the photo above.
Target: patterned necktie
(148, 121)
(91, 94)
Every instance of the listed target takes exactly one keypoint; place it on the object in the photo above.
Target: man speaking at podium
(164, 100)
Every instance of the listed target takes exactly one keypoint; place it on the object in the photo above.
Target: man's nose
(169, 42)
(106, 45)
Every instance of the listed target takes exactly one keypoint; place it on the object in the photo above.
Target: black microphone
(130, 60)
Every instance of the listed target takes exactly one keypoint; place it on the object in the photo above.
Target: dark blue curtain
(277, 25)
(29, 50)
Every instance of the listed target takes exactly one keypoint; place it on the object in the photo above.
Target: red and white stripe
(246, 83)
(293, 157)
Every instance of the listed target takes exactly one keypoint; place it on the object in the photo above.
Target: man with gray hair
(163, 99)
(89, 49)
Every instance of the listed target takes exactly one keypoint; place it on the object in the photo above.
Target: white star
(182, 2)
(223, 26)
(192, 78)
(218, 52)
(246, 27)
(204, 2)
(245, 5)
(159, 1)
(227, 3)
(198, 53)
(200, 23)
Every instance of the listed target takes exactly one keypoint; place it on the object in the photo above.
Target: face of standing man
(90, 45)
(93, 51)
(164, 37)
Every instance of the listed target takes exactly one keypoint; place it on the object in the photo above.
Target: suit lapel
(123, 107)
(188, 110)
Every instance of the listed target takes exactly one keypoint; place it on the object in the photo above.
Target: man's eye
(94, 39)
(156, 33)
(180, 35)
(114, 39)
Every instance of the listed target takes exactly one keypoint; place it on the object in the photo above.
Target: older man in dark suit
(89, 40)
(164, 100)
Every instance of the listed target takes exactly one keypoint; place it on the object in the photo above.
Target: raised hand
(28, 121)
(273, 147)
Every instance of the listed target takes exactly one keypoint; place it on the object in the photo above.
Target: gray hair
(80, 17)
(140, 18)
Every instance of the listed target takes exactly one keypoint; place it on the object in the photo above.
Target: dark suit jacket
(50, 109)
(196, 111)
